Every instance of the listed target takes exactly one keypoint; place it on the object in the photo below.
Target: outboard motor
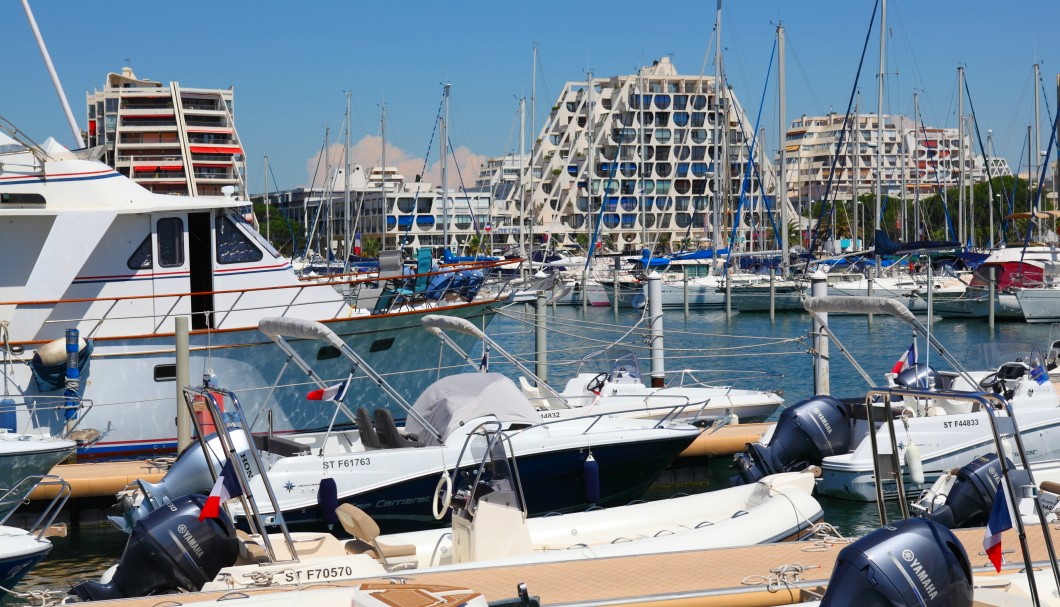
(169, 551)
(189, 474)
(918, 376)
(912, 562)
(972, 496)
(805, 434)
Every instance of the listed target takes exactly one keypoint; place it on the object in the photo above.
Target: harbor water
(748, 350)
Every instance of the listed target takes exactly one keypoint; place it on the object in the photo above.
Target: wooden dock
(738, 577)
(101, 479)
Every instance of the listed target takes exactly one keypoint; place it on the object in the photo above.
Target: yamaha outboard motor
(169, 551)
(918, 376)
(912, 562)
(972, 495)
(805, 434)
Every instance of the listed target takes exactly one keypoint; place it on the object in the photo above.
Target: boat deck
(730, 576)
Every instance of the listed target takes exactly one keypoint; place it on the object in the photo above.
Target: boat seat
(365, 532)
(369, 438)
(278, 445)
(250, 551)
(389, 436)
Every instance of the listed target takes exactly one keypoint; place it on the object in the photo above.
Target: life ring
(443, 496)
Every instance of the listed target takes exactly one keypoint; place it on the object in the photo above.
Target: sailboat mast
(855, 141)
(265, 198)
(916, 170)
(1037, 138)
(346, 184)
(641, 173)
(721, 116)
(382, 173)
(879, 127)
(445, 167)
(328, 188)
(782, 130)
(523, 177)
(533, 149)
(961, 231)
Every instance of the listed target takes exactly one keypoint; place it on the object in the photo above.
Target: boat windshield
(249, 230)
(988, 356)
(615, 361)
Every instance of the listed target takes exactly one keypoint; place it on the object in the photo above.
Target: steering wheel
(596, 383)
(443, 496)
(992, 382)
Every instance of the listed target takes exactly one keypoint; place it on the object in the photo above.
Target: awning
(157, 167)
(405, 220)
(216, 149)
(220, 129)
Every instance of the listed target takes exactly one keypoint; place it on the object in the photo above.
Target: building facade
(167, 138)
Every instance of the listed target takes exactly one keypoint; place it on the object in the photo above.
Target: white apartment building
(169, 139)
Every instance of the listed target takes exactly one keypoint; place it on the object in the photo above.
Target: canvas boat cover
(453, 401)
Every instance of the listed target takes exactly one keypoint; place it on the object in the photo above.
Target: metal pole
(585, 289)
(821, 385)
(993, 297)
(772, 294)
(183, 378)
(684, 280)
(874, 272)
(540, 337)
(728, 294)
(658, 364)
(55, 76)
(614, 286)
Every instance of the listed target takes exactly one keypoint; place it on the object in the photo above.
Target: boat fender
(328, 501)
(591, 476)
(49, 363)
(914, 463)
(54, 352)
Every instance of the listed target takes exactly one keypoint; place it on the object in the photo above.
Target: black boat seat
(365, 530)
(279, 445)
(389, 435)
(369, 437)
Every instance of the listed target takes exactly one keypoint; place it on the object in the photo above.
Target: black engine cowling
(912, 562)
(918, 376)
(805, 434)
(169, 551)
(972, 496)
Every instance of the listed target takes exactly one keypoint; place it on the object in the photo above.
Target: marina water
(746, 349)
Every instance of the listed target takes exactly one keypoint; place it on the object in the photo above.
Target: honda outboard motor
(972, 495)
(912, 562)
(805, 434)
(189, 474)
(918, 376)
(169, 551)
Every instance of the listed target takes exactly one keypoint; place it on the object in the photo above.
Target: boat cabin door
(200, 264)
(183, 265)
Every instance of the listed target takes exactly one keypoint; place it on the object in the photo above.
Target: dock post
(540, 337)
(772, 294)
(993, 297)
(684, 277)
(615, 290)
(821, 385)
(183, 378)
(585, 289)
(658, 362)
(871, 283)
(728, 293)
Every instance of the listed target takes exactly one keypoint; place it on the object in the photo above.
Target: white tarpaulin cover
(860, 305)
(298, 328)
(452, 401)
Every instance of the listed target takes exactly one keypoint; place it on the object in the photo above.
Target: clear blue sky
(290, 62)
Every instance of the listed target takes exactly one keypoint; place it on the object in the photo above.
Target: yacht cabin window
(170, 234)
(141, 257)
(254, 234)
(233, 246)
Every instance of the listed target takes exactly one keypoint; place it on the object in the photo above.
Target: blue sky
(291, 62)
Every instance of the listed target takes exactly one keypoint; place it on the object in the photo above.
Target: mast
(522, 182)
(445, 167)
(961, 232)
(591, 158)
(643, 158)
(720, 134)
(879, 129)
(916, 169)
(990, 182)
(782, 136)
(346, 184)
(1037, 137)
(382, 174)
(328, 188)
(266, 199)
(54, 75)
(533, 150)
(903, 159)
(856, 142)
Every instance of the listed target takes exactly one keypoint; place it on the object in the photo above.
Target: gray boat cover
(299, 328)
(450, 323)
(860, 305)
(452, 401)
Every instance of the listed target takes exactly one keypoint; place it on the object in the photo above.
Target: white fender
(914, 463)
(54, 352)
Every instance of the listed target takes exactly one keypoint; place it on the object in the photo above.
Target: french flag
(227, 487)
(907, 360)
(1000, 520)
(336, 392)
(357, 243)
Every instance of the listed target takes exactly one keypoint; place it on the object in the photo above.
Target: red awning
(216, 149)
(147, 168)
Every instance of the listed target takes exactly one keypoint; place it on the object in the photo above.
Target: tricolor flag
(336, 392)
(357, 243)
(907, 360)
(489, 226)
(226, 488)
(1000, 520)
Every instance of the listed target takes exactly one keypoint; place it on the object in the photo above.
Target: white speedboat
(933, 434)
(21, 549)
(101, 254)
(609, 382)
(568, 464)
(29, 454)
